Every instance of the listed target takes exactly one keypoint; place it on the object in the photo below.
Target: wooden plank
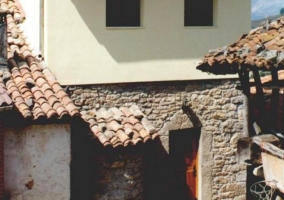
(277, 84)
(273, 171)
(260, 101)
(274, 100)
(245, 87)
(248, 129)
(244, 79)
(268, 85)
(266, 138)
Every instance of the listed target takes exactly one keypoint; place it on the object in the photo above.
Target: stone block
(237, 100)
(232, 190)
(215, 91)
(241, 176)
(222, 101)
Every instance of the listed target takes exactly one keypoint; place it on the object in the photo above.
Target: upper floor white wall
(80, 49)
(32, 24)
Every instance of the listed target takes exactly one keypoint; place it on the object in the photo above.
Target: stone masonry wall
(215, 105)
(120, 176)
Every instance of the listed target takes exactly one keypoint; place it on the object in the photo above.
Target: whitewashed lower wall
(37, 162)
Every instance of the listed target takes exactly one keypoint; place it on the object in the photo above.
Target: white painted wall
(31, 25)
(39, 153)
(79, 49)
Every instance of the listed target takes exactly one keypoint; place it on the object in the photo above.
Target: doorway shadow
(166, 174)
(161, 179)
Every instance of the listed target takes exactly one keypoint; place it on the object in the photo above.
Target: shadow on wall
(161, 37)
(92, 176)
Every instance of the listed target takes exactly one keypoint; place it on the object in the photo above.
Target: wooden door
(191, 161)
(184, 157)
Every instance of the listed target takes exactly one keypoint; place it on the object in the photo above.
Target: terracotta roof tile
(37, 111)
(5, 98)
(33, 88)
(261, 47)
(37, 94)
(119, 127)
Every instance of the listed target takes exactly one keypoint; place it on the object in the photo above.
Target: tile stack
(31, 85)
(120, 127)
(261, 47)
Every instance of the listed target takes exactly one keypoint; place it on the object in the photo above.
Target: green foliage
(282, 11)
(264, 73)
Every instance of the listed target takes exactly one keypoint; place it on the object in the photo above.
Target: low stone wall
(119, 176)
(214, 105)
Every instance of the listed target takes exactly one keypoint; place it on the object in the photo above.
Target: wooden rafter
(274, 99)
(260, 100)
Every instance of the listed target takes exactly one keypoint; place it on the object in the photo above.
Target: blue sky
(265, 8)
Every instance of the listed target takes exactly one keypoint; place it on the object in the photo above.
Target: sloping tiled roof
(120, 127)
(5, 99)
(33, 88)
(36, 93)
(261, 47)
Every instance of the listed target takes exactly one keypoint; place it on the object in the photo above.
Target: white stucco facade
(37, 162)
(32, 24)
(80, 49)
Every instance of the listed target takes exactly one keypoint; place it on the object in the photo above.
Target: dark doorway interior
(82, 163)
(184, 145)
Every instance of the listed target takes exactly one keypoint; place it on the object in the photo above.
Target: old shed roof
(120, 127)
(261, 47)
(31, 85)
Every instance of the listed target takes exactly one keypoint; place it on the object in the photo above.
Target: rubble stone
(214, 105)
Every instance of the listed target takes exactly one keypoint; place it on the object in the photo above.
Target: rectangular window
(122, 13)
(198, 12)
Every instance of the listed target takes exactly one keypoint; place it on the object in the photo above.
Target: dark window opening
(122, 13)
(198, 12)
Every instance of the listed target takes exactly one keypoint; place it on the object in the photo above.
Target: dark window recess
(3, 41)
(198, 12)
(122, 13)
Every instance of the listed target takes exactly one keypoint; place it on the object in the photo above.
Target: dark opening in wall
(122, 13)
(198, 12)
(82, 163)
(184, 145)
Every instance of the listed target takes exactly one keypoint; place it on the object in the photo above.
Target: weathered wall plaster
(215, 106)
(37, 162)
